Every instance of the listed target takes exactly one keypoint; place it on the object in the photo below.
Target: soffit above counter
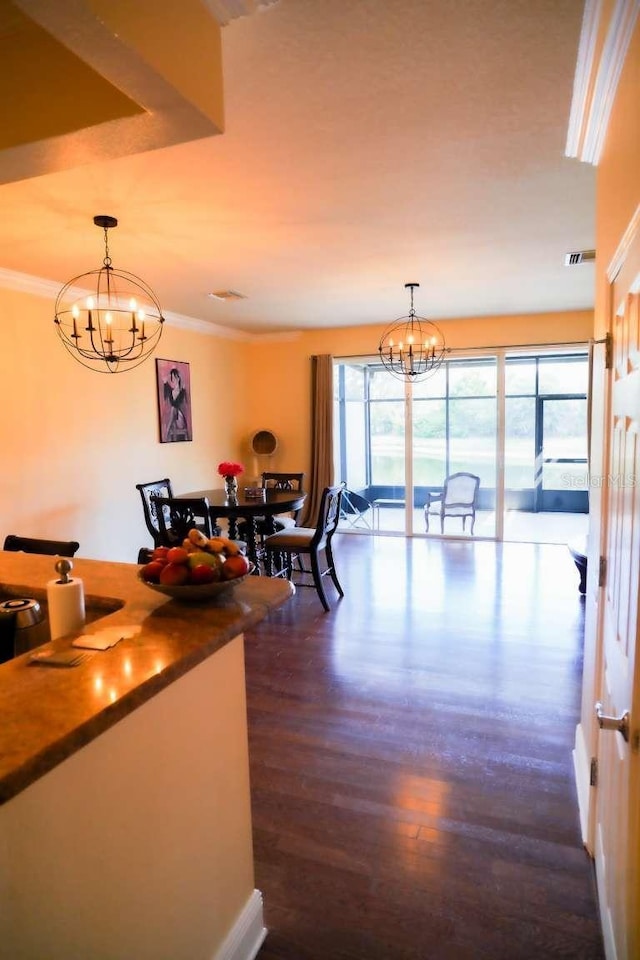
(94, 80)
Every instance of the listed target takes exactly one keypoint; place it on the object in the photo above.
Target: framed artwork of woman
(174, 401)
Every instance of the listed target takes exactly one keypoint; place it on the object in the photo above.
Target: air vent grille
(579, 256)
(227, 295)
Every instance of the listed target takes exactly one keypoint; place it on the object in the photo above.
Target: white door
(617, 850)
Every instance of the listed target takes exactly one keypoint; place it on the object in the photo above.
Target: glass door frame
(500, 355)
(542, 501)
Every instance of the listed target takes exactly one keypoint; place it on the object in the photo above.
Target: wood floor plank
(410, 751)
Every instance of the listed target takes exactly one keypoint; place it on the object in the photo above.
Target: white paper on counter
(105, 638)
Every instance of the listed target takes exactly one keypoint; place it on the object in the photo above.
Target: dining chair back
(155, 488)
(284, 481)
(458, 498)
(177, 515)
(282, 547)
(52, 548)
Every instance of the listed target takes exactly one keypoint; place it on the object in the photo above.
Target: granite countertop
(48, 713)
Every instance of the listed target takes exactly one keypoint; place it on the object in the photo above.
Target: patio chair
(458, 498)
(354, 509)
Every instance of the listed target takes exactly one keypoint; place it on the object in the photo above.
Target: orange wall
(618, 179)
(617, 200)
(280, 370)
(76, 442)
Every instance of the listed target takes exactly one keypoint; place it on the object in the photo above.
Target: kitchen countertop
(48, 713)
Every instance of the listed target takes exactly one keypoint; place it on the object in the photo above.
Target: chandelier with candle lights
(109, 320)
(411, 348)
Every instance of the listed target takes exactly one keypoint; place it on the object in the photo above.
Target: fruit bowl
(196, 591)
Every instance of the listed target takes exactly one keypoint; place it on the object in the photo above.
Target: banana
(231, 549)
(198, 539)
(215, 544)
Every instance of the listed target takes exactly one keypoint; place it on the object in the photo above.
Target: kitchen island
(125, 820)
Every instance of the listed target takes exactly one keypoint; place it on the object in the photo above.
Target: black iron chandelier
(109, 320)
(412, 348)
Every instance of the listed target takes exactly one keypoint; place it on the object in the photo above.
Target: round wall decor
(264, 443)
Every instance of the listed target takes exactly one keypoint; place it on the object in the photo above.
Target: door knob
(621, 724)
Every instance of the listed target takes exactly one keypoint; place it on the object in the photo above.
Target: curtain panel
(321, 436)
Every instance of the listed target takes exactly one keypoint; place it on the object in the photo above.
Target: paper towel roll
(66, 607)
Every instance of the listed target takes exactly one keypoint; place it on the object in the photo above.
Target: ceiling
(366, 144)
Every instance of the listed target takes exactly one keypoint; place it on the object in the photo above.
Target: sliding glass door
(397, 444)
(454, 430)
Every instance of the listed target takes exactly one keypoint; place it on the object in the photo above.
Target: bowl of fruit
(201, 568)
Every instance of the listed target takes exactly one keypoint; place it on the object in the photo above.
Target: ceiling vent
(226, 295)
(579, 256)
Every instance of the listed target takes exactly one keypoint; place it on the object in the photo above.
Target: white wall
(139, 845)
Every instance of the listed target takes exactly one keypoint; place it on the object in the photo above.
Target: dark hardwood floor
(411, 770)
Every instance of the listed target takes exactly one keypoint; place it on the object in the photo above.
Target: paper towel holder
(64, 568)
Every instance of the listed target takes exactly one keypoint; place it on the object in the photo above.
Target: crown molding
(25, 283)
(582, 77)
(195, 325)
(620, 255)
(49, 290)
(596, 80)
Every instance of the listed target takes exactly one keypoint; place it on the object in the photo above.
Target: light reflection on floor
(519, 525)
(484, 612)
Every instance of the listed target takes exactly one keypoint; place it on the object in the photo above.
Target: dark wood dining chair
(266, 526)
(52, 548)
(284, 481)
(295, 542)
(155, 488)
(177, 515)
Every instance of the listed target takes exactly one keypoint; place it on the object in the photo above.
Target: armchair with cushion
(458, 498)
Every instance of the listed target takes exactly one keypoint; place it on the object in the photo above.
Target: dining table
(250, 508)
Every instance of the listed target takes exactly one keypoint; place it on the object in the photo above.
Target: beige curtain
(321, 436)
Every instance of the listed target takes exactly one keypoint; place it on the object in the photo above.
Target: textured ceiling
(368, 143)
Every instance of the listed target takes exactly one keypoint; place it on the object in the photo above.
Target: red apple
(235, 566)
(151, 571)
(160, 553)
(203, 573)
(177, 555)
(174, 574)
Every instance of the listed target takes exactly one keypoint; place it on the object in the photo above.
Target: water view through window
(396, 444)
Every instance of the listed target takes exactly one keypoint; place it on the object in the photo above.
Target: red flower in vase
(229, 468)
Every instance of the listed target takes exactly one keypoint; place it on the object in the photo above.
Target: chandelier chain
(107, 258)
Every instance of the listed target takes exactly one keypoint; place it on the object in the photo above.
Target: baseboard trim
(247, 934)
(582, 773)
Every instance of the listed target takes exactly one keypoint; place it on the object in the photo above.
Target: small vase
(231, 487)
